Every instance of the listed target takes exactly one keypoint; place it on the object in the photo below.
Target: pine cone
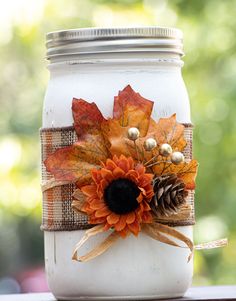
(170, 194)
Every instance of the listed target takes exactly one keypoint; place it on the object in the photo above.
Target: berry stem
(158, 162)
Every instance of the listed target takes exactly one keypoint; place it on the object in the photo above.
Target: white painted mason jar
(94, 64)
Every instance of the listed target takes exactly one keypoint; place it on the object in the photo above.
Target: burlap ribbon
(57, 195)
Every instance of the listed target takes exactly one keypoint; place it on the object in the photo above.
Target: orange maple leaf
(87, 117)
(186, 171)
(132, 110)
(74, 163)
(168, 130)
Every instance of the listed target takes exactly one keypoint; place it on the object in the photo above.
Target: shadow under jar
(94, 64)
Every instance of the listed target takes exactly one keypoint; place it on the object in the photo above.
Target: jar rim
(114, 40)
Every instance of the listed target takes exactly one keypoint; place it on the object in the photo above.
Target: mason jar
(94, 64)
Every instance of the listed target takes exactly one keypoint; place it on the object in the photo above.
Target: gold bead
(177, 158)
(165, 150)
(133, 134)
(150, 144)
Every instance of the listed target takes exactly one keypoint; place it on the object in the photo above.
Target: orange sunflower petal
(150, 194)
(132, 175)
(131, 162)
(106, 174)
(89, 190)
(145, 179)
(118, 173)
(130, 218)
(139, 211)
(123, 233)
(102, 212)
(140, 169)
(107, 226)
(96, 175)
(147, 217)
(113, 218)
(86, 208)
(103, 184)
(123, 163)
(146, 206)
(135, 228)
(95, 221)
(96, 204)
(115, 159)
(140, 198)
(121, 223)
(110, 165)
(101, 187)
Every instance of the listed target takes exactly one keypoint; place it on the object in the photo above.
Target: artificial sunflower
(119, 196)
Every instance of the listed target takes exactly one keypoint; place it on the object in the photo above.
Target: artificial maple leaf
(132, 110)
(185, 171)
(168, 130)
(121, 144)
(117, 136)
(88, 120)
(74, 163)
(87, 117)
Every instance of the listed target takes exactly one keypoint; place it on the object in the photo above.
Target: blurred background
(210, 72)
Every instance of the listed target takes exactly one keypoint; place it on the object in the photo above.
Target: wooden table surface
(194, 293)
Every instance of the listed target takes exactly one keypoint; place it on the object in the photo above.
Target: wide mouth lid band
(114, 40)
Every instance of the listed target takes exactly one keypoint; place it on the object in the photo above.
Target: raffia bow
(159, 232)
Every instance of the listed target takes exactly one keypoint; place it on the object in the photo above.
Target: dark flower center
(121, 196)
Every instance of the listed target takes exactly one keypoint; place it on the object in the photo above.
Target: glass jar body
(134, 268)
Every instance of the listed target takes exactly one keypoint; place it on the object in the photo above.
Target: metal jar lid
(114, 40)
